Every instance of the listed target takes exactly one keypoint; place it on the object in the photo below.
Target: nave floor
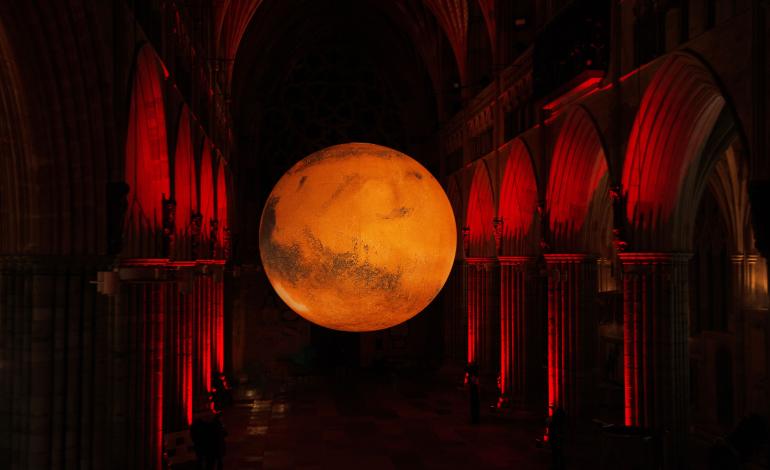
(367, 422)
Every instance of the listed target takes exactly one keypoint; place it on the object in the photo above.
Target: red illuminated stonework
(571, 332)
(514, 311)
(655, 344)
(607, 168)
(482, 310)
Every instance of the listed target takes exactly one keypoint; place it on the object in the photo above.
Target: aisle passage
(369, 423)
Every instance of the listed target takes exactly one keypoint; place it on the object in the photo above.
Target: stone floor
(370, 422)
(379, 421)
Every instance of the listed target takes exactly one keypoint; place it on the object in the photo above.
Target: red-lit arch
(185, 189)
(518, 199)
(206, 193)
(147, 168)
(578, 167)
(676, 116)
(481, 213)
(221, 201)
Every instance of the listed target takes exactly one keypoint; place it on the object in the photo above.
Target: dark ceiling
(314, 73)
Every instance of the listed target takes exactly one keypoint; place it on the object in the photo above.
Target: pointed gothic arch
(577, 197)
(518, 201)
(666, 168)
(146, 164)
(480, 213)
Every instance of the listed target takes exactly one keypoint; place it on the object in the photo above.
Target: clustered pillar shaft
(53, 363)
(482, 313)
(656, 334)
(455, 323)
(95, 381)
(572, 332)
(513, 326)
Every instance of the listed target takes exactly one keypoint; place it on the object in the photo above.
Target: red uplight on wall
(676, 116)
(185, 188)
(480, 213)
(146, 171)
(577, 167)
(518, 193)
(222, 200)
(206, 190)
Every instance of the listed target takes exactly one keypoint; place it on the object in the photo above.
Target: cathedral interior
(606, 162)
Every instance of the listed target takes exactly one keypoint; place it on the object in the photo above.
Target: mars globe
(357, 237)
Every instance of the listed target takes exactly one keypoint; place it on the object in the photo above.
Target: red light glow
(577, 167)
(676, 115)
(206, 195)
(147, 171)
(185, 188)
(481, 211)
(518, 195)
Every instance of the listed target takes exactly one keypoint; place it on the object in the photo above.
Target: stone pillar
(656, 356)
(52, 374)
(455, 320)
(513, 327)
(573, 333)
(140, 353)
(748, 294)
(187, 312)
(483, 312)
(202, 339)
(178, 369)
(218, 307)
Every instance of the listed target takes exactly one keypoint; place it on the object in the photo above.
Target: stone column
(513, 327)
(656, 356)
(140, 351)
(218, 307)
(52, 374)
(483, 313)
(178, 369)
(572, 333)
(455, 320)
(202, 339)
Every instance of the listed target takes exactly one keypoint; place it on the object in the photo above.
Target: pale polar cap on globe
(357, 237)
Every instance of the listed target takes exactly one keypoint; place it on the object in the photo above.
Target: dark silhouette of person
(221, 395)
(473, 391)
(557, 433)
(199, 437)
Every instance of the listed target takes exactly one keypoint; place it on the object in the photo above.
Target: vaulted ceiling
(306, 74)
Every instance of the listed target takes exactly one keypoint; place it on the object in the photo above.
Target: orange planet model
(357, 237)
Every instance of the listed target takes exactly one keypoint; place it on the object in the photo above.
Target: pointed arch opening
(577, 198)
(146, 164)
(677, 115)
(518, 202)
(206, 194)
(223, 227)
(185, 188)
(480, 214)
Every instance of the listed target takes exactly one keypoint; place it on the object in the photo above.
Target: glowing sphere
(357, 237)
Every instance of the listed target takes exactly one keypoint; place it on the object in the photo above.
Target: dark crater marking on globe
(347, 182)
(349, 265)
(290, 265)
(397, 213)
(282, 258)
